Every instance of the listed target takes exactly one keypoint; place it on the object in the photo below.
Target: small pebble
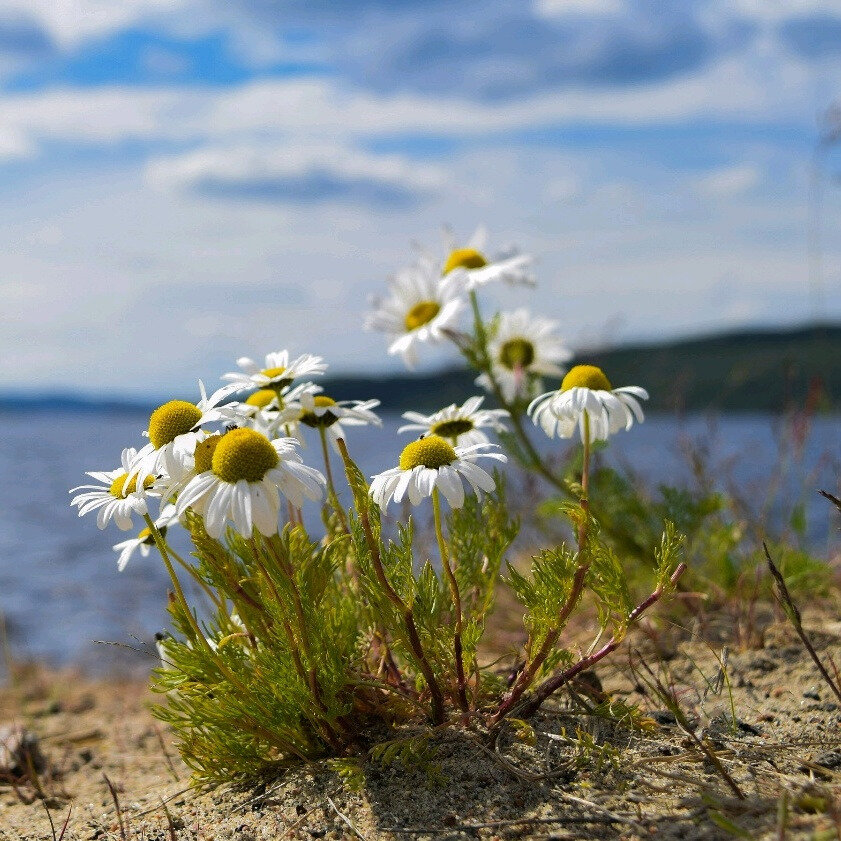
(830, 759)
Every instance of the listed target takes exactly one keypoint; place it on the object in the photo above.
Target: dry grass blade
(833, 499)
(66, 824)
(167, 758)
(52, 825)
(63, 826)
(169, 822)
(589, 804)
(669, 699)
(793, 615)
(346, 820)
(116, 800)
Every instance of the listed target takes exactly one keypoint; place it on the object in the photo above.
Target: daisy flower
(240, 476)
(279, 371)
(420, 308)
(175, 429)
(144, 540)
(521, 350)
(510, 267)
(584, 399)
(264, 400)
(431, 463)
(117, 496)
(268, 412)
(461, 425)
(318, 411)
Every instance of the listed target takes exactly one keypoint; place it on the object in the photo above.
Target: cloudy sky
(186, 181)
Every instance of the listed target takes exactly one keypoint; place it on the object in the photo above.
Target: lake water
(60, 590)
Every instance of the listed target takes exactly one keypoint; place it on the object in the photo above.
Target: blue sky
(186, 181)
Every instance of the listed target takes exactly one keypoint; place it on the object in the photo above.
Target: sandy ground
(574, 776)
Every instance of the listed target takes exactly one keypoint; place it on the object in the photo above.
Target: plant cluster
(311, 638)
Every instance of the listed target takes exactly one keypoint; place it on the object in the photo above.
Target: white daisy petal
(451, 486)
(265, 515)
(402, 486)
(194, 491)
(415, 495)
(241, 508)
(217, 509)
(476, 476)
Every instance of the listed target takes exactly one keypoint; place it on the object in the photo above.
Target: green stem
(535, 460)
(331, 486)
(194, 625)
(479, 327)
(533, 664)
(161, 546)
(585, 485)
(405, 610)
(194, 574)
(451, 578)
(309, 678)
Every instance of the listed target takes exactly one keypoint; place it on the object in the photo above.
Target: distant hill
(744, 371)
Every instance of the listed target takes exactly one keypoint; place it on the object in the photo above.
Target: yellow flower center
(243, 454)
(204, 451)
(121, 489)
(421, 314)
(452, 428)
(272, 373)
(464, 258)
(146, 536)
(172, 419)
(516, 353)
(261, 398)
(586, 376)
(314, 420)
(432, 451)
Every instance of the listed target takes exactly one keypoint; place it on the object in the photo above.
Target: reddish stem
(556, 681)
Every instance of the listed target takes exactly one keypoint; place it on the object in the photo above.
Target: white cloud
(72, 21)
(778, 10)
(729, 181)
(300, 110)
(173, 286)
(565, 8)
(266, 169)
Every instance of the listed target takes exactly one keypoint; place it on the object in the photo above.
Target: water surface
(60, 590)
